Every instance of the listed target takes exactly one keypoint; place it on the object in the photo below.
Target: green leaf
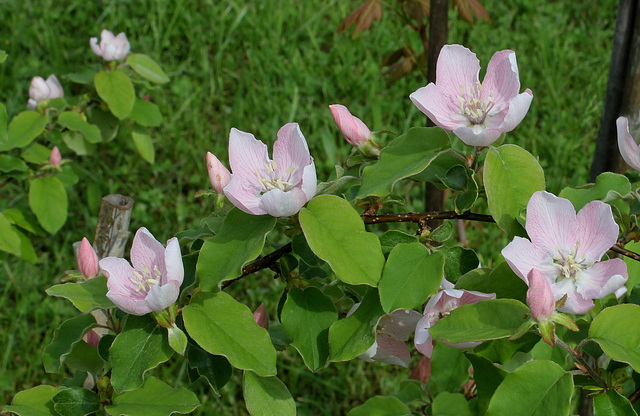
(353, 335)
(617, 330)
(511, 176)
(155, 398)
(18, 218)
(306, 316)
(267, 396)
(83, 76)
(410, 276)
(23, 128)
(68, 334)
(143, 142)
(36, 153)
(451, 404)
(9, 238)
(86, 296)
(76, 402)
(239, 241)
(611, 403)
(27, 252)
(449, 367)
(502, 281)
(10, 163)
(141, 346)
(106, 122)
(145, 113)
(381, 406)
(4, 135)
(34, 402)
(488, 319)
(223, 326)
(214, 368)
(147, 68)
(458, 261)
(537, 388)
(74, 121)
(335, 232)
(76, 142)
(405, 156)
(116, 89)
(177, 339)
(487, 377)
(609, 186)
(85, 357)
(392, 238)
(48, 200)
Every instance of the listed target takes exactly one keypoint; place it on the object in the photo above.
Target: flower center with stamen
(471, 104)
(274, 180)
(570, 266)
(145, 280)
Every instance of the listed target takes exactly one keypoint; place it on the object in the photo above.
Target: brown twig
(625, 252)
(261, 263)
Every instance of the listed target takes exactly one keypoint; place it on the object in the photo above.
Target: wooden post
(631, 96)
(607, 156)
(112, 231)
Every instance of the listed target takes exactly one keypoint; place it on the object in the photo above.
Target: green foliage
(86, 296)
(267, 396)
(33, 402)
(116, 89)
(64, 339)
(155, 398)
(617, 330)
(23, 129)
(76, 402)
(48, 200)
(611, 403)
(147, 68)
(380, 406)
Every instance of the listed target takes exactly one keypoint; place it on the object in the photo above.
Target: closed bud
(352, 128)
(540, 297)
(111, 48)
(261, 318)
(88, 260)
(219, 175)
(55, 158)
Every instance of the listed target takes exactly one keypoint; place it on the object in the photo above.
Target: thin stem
(593, 373)
(625, 252)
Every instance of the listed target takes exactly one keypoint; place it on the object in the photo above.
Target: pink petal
(457, 67)
(442, 109)
(596, 231)
(399, 324)
(123, 46)
(248, 156)
(309, 180)
(55, 88)
(93, 42)
(106, 36)
(290, 153)
(129, 304)
(391, 351)
(173, 262)
(32, 104)
(477, 135)
(161, 297)
(518, 108)
(39, 90)
(575, 303)
(118, 272)
(629, 149)
(540, 297)
(592, 281)
(522, 256)
(278, 203)
(423, 340)
(147, 251)
(551, 223)
(244, 195)
(502, 81)
(261, 317)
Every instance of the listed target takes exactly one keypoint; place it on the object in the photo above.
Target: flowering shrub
(487, 334)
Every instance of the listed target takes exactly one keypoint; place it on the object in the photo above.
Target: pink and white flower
(477, 113)
(88, 260)
(392, 333)
(278, 187)
(566, 248)
(219, 175)
(441, 305)
(629, 149)
(352, 128)
(41, 90)
(111, 48)
(153, 283)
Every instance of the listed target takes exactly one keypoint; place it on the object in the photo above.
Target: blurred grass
(256, 65)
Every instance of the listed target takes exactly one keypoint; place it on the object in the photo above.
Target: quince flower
(566, 249)
(41, 90)
(392, 332)
(219, 175)
(441, 305)
(88, 260)
(111, 48)
(278, 187)
(477, 113)
(629, 149)
(153, 283)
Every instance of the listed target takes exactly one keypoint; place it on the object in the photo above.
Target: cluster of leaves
(105, 107)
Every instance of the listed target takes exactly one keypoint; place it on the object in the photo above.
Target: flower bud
(41, 90)
(540, 297)
(88, 260)
(219, 175)
(55, 158)
(111, 48)
(261, 318)
(353, 129)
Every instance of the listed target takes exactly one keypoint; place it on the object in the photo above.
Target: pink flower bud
(261, 318)
(92, 338)
(353, 129)
(41, 90)
(111, 48)
(219, 175)
(540, 297)
(88, 260)
(55, 158)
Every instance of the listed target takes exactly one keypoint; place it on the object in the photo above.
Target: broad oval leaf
(223, 326)
(145, 113)
(147, 68)
(489, 319)
(68, 334)
(451, 404)
(405, 156)
(449, 368)
(410, 276)
(141, 346)
(267, 396)
(144, 144)
(86, 296)
(617, 330)
(381, 406)
(35, 401)
(23, 128)
(74, 121)
(239, 241)
(608, 187)
(214, 368)
(611, 403)
(306, 316)
(335, 232)
(154, 398)
(537, 388)
(511, 176)
(116, 89)
(76, 401)
(48, 200)
(9, 238)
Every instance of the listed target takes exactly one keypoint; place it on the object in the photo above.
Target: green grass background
(256, 65)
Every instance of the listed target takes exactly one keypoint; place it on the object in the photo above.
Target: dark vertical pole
(631, 97)
(438, 33)
(606, 157)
